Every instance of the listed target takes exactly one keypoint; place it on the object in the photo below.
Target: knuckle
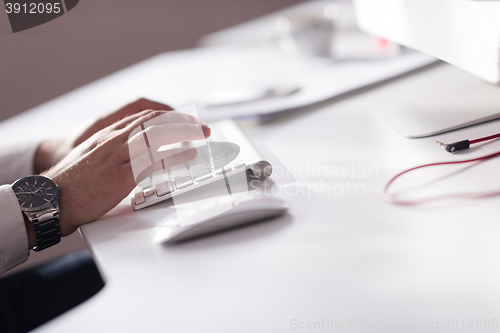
(153, 114)
(156, 113)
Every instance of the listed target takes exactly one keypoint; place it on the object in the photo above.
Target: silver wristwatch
(37, 197)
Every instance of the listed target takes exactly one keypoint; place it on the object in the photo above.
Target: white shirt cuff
(14, 248)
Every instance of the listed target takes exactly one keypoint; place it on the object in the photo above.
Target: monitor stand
(446, 99)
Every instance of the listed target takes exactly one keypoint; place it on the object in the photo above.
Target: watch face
(35, 192)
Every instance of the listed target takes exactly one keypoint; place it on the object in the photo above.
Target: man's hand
(97, 175)
(50, 152)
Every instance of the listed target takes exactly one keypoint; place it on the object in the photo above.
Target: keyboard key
(225, 169)
(149, 192)
(203, 177)
(139, 198)
(183, 182)
(164, 188)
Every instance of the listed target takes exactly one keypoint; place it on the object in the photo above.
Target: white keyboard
(183, 178)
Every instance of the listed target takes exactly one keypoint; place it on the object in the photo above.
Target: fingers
(114, 119)
(141, 160)
(172, 127)
(156, 117)
(137, 119)
(163, 135)
(149, 130)
(178, 158)
(143, 145)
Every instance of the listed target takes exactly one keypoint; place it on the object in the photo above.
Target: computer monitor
(465, 33)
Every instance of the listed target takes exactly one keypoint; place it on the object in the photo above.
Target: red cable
(486, 138)
(392, 200)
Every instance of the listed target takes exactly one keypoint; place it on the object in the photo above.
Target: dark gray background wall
(99, 37)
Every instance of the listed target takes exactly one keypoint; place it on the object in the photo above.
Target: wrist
(65, 207)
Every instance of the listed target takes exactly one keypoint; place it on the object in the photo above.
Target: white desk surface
(341, 258)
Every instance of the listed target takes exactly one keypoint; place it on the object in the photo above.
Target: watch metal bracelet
(47, 228)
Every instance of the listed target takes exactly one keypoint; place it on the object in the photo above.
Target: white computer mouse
(255, 207)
